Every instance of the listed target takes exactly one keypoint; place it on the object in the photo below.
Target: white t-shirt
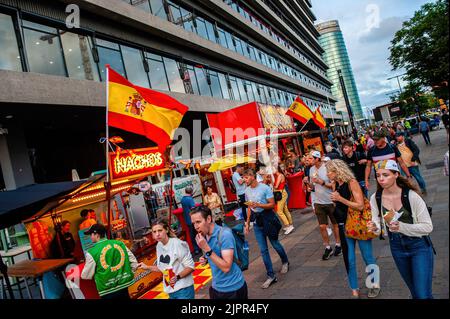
(175, 255)
(321, 194)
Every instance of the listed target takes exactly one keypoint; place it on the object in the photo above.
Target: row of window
(49, 50)
(210, 30)
(243, 11)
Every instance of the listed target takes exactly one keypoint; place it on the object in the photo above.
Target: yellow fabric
(320, 118)
(407, 155)
(166, 119)
(301, 110)
(282, 209)
(229, 162)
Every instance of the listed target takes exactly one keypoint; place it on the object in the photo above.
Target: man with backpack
(219, 247)
(382, 150)
(261, 202)
(410, 155)
(357, 162)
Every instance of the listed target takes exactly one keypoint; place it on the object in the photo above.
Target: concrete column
(14, 158)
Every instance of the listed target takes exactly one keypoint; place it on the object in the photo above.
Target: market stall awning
(25, 202)
(229, 162)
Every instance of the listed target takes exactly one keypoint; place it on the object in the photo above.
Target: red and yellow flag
(142, 111)
(319, 119)
(300, 111)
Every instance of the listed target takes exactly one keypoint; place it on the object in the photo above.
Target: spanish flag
(300, 111)
(319, 119)
(142, 111)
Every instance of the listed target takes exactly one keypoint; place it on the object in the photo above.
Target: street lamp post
(347, 103)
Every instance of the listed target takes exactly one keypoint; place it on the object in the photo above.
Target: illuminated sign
(135, 163)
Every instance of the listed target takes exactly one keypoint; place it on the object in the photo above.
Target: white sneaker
(284, 268)
(268, 282)
(251, 226)
(289, 230)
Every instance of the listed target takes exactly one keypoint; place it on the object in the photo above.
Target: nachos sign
(136, 163)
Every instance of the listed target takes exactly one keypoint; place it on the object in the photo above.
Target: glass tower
(336, 56)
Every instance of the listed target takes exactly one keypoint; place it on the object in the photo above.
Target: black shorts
(240, 294)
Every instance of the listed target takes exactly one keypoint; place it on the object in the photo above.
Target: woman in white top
(411, 246)
(174, 260)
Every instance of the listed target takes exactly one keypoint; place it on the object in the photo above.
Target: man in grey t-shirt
(240, 186)
(321, 189)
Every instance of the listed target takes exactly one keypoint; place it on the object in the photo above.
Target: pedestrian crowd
(336, 182)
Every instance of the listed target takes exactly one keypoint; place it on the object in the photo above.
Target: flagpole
(304, 125)
(107, 182)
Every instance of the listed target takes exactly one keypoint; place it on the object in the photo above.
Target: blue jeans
(185, 293)
(415, 171)
(426, 137)
(365, 246)
(286, 187)
(262, 243)
(364, 188)
(415, 261)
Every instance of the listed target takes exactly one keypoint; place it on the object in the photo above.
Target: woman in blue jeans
(348, 193)
(409, 232)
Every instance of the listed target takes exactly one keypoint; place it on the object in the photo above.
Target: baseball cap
(316, 154)
(379, 135)
(387, 164)
(96, 229)
(400, 133)
(326, 159)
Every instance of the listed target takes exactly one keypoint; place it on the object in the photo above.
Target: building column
(14, 157)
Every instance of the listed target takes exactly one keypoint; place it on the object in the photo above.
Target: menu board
(274, 117)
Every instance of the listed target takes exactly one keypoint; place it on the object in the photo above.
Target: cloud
(386, 30)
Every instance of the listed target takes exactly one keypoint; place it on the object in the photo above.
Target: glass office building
(336, 56)
(209, 55)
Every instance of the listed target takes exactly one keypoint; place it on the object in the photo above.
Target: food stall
(260, 132)
(130, 214)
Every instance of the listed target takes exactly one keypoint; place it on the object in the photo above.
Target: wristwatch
(208, 253)
(178, 277)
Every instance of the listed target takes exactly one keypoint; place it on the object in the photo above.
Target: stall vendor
(63, 244)
(88, 221)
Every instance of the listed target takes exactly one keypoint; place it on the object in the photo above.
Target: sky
(368, 26)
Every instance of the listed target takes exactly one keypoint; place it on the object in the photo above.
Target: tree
(414, 96)
(421, 46)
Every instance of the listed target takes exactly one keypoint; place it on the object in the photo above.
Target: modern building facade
(211, 55)
(336, 57)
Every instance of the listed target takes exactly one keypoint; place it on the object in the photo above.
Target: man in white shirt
(239, 185)
(321, 189)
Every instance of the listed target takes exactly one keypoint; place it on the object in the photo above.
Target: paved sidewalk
(310, 277)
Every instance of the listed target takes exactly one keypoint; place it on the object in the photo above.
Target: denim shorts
(185, 293)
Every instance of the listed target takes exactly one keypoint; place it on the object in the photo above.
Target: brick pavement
(311, 278)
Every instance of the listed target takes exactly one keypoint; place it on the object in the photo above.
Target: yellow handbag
(356, 224)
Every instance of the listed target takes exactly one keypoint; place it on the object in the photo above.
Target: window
(201, 28)
(141, 4)
(250, 94)
(9, 54)
(158, 8)
(78, 54)
(187, 20)
(134, 66)
(215, 84)
(242, 89)
(235, 89)
(256, 94)
(109, 53)
(193, 79)
(157, 74)
(175, 14)
(222, 38)
(229, 38)
(202, 81)
(239, 48)
(210, 29)
(224, 86)
(173, 75)
(43, 49)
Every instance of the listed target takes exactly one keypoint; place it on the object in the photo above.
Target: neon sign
(134, 163)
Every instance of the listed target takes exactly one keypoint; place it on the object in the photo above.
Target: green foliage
(413, 95)
(421, 46)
